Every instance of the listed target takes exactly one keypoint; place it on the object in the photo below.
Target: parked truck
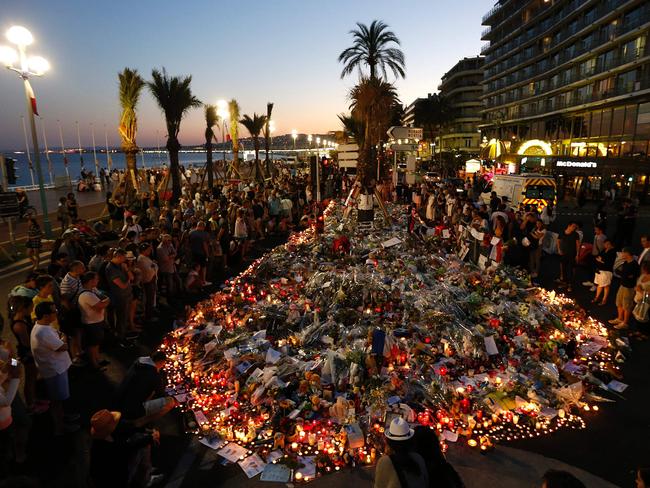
(527, 189)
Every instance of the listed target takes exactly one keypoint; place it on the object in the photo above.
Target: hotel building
(566, 91)
(461, 86)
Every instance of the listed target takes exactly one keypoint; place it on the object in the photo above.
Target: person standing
(166, 255)
(50, 351)
(119, 279)
(92, 307)
(536, 237)
(645, 252)
(34, 244)
(598, 247)
(441, 473)
(629, 272)
(149, 279)
(62, 214)
(604, 272)
(71, 205)
(199, 241)
(568, 246)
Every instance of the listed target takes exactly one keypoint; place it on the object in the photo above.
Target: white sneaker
(587, 283)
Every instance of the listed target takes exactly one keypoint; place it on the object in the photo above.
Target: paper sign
(252, 465)
(277, 473)
(274, 456)
(182, 398)
(232, 452)
(431, 232)
(460, 228)
(445, 234)
(491, 346)
(495, 240)
(273, 356)
(476, 234)
(309, 468)
(482, 261)
(215, 442)
(243, 367)
(229, 354)
(463, 253)
(450, 436)
(294, 413)
(617, 386)
(391, 242)
(200, 417)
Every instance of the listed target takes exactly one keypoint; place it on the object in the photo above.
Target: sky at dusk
(284, 51)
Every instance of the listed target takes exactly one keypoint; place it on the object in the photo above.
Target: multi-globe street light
(28, 67)
(294, 136)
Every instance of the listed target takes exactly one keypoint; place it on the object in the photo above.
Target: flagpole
(108, 158)
(29, 156)
(81, 158)
(158, 144)
(47, 152)
(92, 131)
(65, 158)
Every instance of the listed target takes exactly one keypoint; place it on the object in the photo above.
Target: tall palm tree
(373, 49)
(131, 84)
(174, 97)
(267, 137)
(211, 119)
(233, 109)
(254, 125)
(373, 103)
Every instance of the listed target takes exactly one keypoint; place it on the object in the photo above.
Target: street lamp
(222, 112)
(28, 67)
(294, 136)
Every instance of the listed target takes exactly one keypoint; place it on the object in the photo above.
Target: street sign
(9, 204)
(348, 164)
(404, 147)
(348, 156)
(397, 132)
(347, 148)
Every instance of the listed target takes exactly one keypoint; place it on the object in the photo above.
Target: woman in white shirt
(93, 316)
(241, 231)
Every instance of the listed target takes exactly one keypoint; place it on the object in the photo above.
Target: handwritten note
(491, 346)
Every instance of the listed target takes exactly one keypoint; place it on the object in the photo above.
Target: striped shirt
(70, 287)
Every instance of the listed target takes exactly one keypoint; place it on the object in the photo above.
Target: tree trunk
(259, 176)
(235, 161)
(131, 182)
(208, 164)
(174, 168)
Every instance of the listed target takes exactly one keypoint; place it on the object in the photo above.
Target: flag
(32, 97)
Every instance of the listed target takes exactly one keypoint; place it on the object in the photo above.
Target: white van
(526, 189)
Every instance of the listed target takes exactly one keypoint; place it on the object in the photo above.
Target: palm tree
(211, 119)
(373, 103)
(254, 126)
(233, 109)
(267, 137)
(174, 97)
(353, 128)
(131, 84)
(372, 49)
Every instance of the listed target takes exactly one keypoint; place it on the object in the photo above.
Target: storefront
(628, 177)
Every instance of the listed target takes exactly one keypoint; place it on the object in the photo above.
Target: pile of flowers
(306, 356)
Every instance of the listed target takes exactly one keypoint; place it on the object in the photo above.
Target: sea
(53, 164)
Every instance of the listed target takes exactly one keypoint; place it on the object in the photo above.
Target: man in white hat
(401, 466)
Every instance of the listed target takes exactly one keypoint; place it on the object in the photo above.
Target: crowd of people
(106, 284)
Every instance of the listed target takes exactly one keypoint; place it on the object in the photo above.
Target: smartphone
(14, 362)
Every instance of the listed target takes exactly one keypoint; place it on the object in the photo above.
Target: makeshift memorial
(303, 358)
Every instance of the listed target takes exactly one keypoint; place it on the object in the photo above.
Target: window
(468, 143)
(583, 94)
(607, 60)
(625, 82)
(587, 67)
(630, 120)
(604, 87)
(596, 118)
(606, 122)
(633, 49)
(643, 121)
(618, 119)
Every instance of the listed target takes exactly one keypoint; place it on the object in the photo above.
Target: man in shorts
(50, 351)
(629, 272)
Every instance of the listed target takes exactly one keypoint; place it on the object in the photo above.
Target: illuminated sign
(576, 164)
(542, 147)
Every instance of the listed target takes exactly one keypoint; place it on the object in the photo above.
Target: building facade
(461, 86)
(566, 90)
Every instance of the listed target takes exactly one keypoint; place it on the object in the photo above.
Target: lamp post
(318, 169)
(34, 66)
(310, 138)
(294, 136)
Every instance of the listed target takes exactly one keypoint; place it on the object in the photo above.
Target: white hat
(399, 430)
